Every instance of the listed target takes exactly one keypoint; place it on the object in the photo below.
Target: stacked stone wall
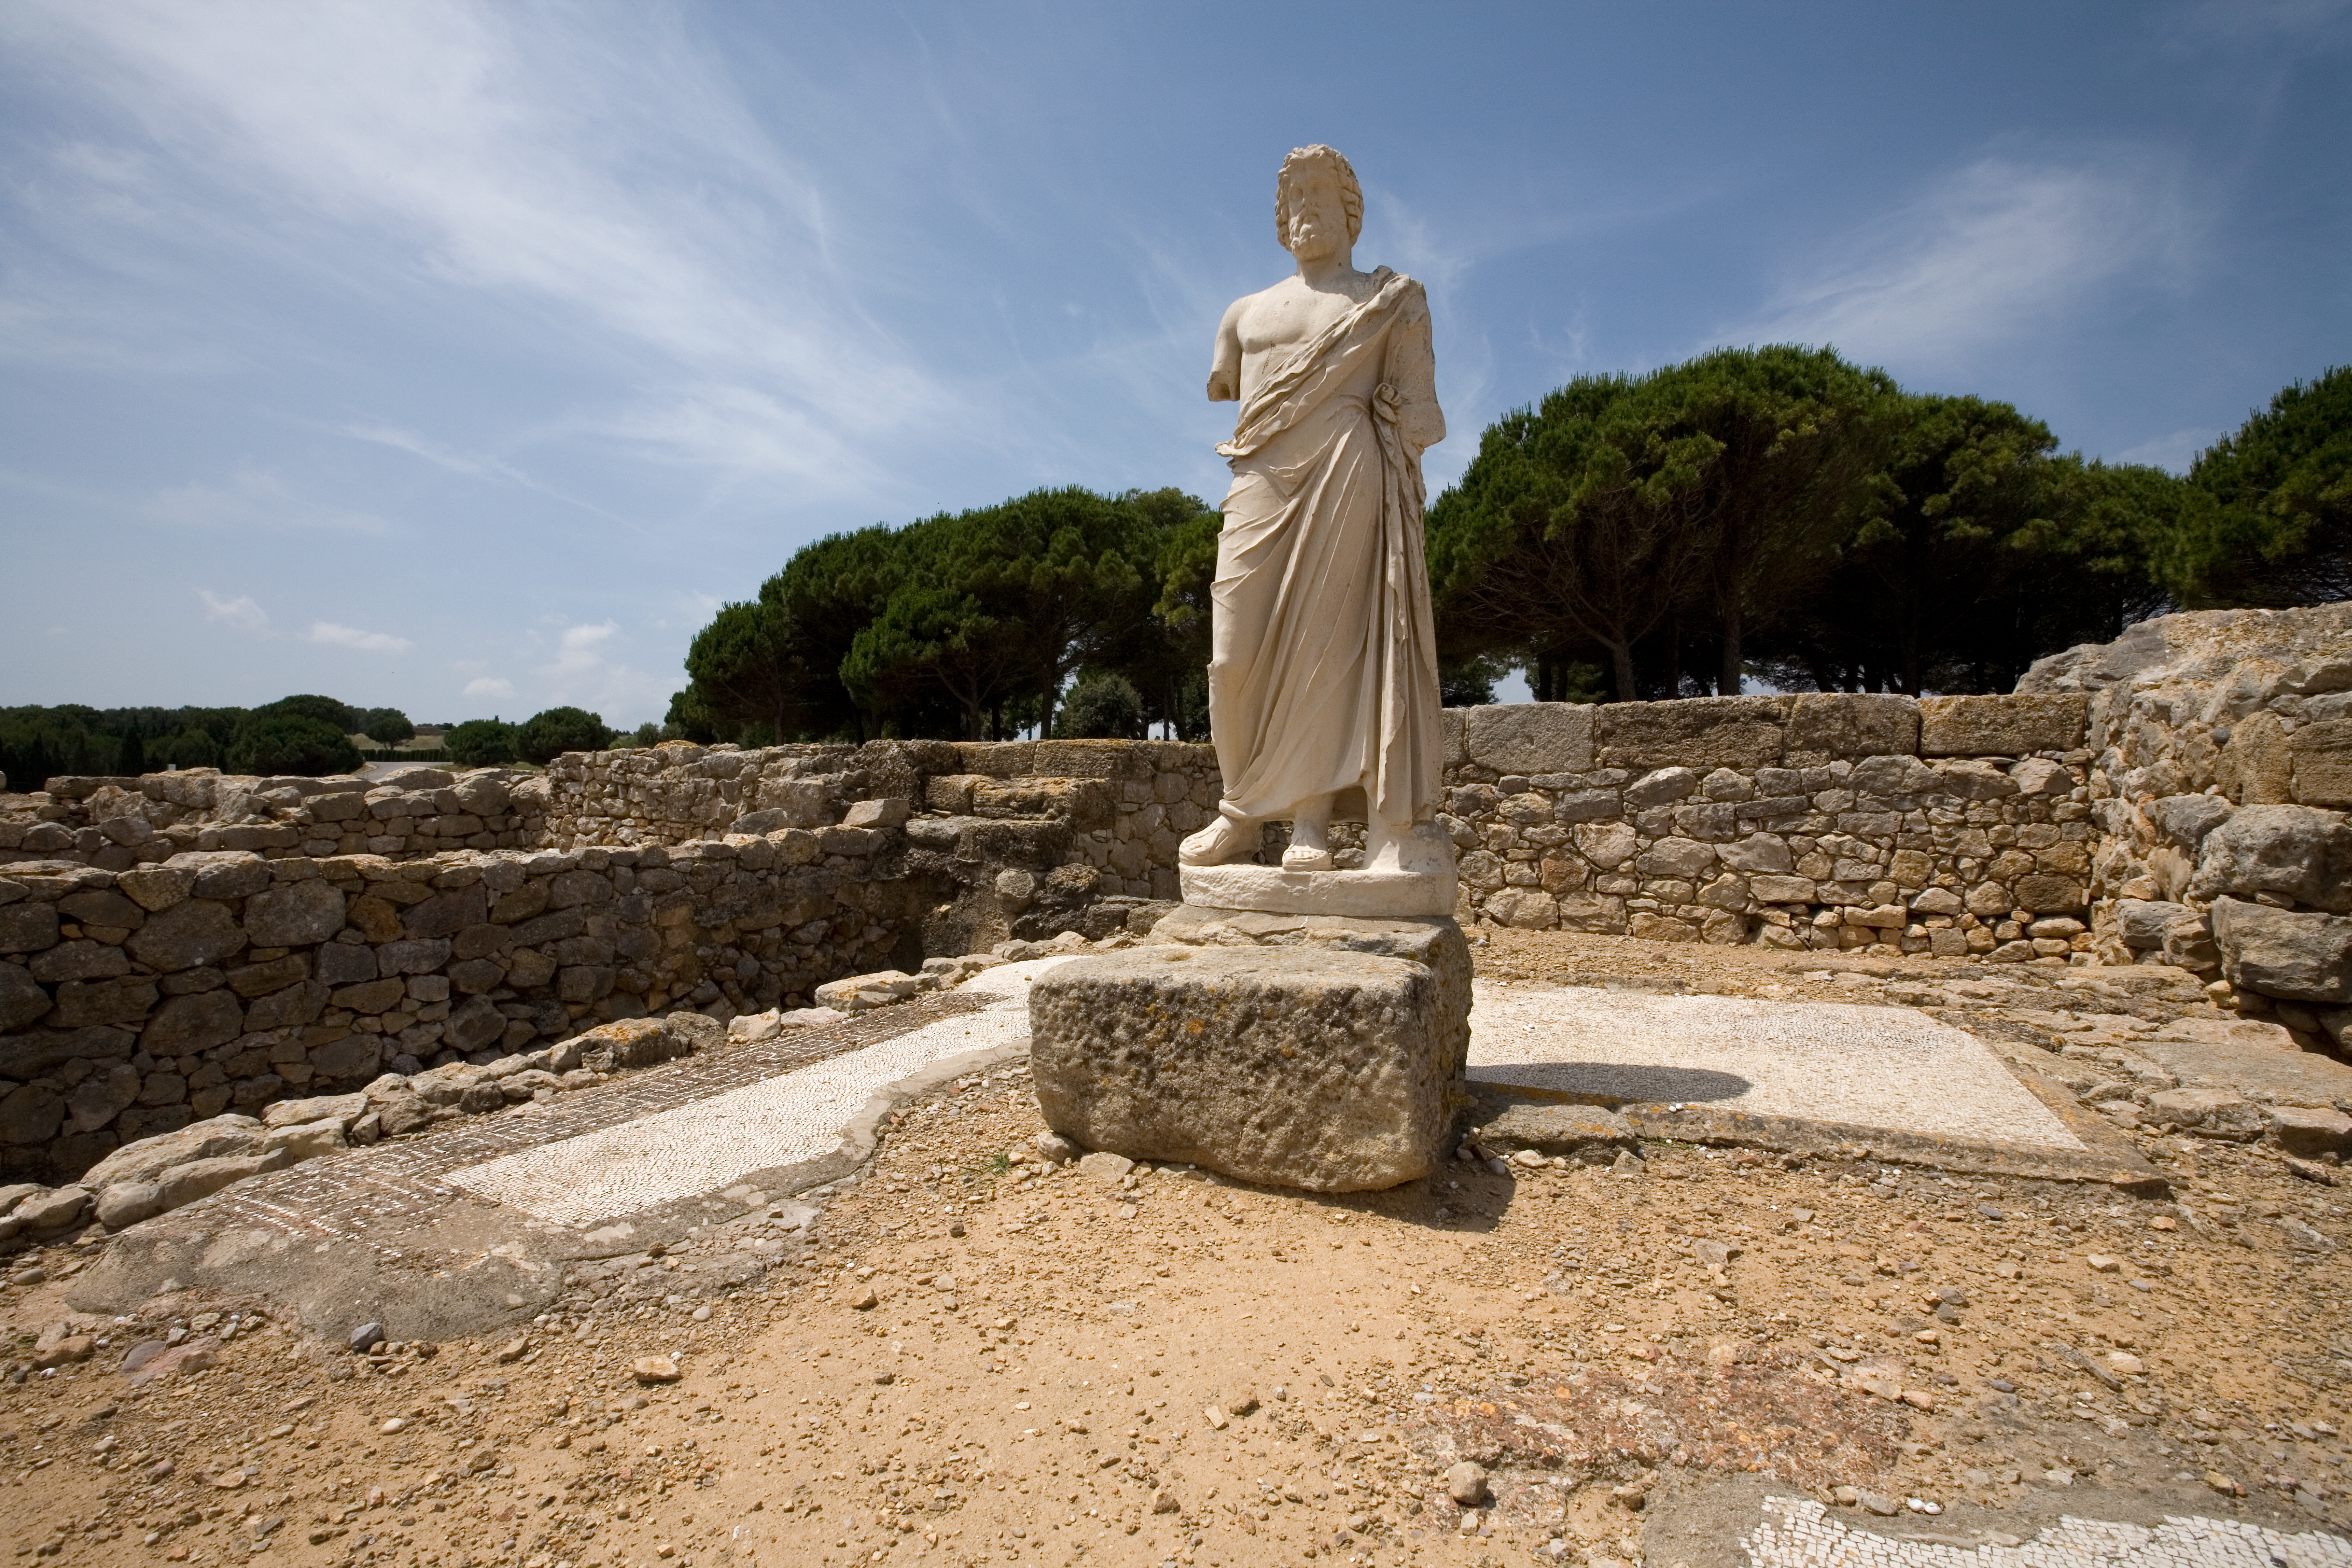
(115, 823)
(2222, 745)
(136, 1000)
(1950, 826)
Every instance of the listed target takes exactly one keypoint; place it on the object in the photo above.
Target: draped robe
(1324, 670)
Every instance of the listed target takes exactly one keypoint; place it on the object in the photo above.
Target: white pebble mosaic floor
(1820, 1062)
(706, 1145)
(1799, 1533)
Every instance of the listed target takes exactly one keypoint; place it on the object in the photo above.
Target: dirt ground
(967, 1357)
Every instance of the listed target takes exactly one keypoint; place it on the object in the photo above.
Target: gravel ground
(960, 1357)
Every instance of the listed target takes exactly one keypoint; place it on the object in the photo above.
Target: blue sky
(465, 356)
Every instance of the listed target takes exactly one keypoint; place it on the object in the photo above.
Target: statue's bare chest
(1290, 312)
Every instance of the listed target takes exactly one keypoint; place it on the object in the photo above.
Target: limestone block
(22, 1000)
(188, 1023)
(197, 931)
(147, 1159)
(2184, 820)
(125, 1204)
(154, 888)
(53, 1210)
(28, 928)
(1295, 1067)
(305, 1140)
(2312, 1132)
(202, 1178)
(2046, 894)
(2321, 755)
(223, 873)
(2290, 954)
(2257, 766)
(1826, 725)
(2212, 1112)
(2008, 724)
(1530, 737)
(1696, 733)
(342, 1108)
(294, 915)
(875, 814)
(2142, 923)
(2298, 852)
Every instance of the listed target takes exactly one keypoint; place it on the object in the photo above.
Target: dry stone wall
(180, 944)
(115, 823)
(136, 1001)
(1951, 825)
(2223, 766)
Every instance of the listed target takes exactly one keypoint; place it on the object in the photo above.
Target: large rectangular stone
(1698, 732)
(1299, 1067)
(1824, 726)
(1530, 737)
(2321, 759)
(2005, 724)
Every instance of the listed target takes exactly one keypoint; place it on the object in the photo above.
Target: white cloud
(1988, 255)
(256, 498)
(2174, 452)
(336, 636)
(606, 167)
(241, 612)
(584, 674)
(492, 687)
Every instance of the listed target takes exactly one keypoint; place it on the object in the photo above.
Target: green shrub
(480, 744)
(326, 710)
(282, 743)
(191, 748)
(386, 726)
(1102, 707)
(547, 736)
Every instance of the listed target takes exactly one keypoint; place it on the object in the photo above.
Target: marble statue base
(1424, 887)
(1363, 894)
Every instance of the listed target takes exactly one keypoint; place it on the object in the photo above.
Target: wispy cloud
(256, 499)
(2174, 452)
(240, 613)
(584, 673)
(1983, 258)
(336, 636)
(612, 174)
(490, 687)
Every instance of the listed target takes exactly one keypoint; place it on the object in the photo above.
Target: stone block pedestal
(1317, 1052)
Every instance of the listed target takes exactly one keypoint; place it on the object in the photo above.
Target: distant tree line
(1780, 514)
(1773, 513)
(305, 734)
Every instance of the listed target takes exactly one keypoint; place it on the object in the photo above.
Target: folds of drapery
(1324, 674)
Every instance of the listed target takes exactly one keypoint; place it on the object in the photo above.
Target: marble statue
(1323, 673)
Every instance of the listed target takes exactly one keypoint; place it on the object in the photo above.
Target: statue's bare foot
(1310, 836)
(1228, 838)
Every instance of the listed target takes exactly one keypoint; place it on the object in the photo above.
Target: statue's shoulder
(1409, 291)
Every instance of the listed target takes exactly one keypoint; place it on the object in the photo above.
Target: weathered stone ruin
(181, 945)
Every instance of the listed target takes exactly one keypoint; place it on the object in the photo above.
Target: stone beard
(1323, 673)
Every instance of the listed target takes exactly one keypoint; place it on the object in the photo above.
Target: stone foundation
(1314, 1051)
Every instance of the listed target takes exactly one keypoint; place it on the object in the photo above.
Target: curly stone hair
(1351, 194)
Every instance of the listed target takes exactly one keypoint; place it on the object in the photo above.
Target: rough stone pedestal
(1306, 1051)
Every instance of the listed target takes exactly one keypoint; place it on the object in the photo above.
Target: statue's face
(1318, 214)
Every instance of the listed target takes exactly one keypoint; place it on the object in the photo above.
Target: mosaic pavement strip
(335, 1199)
(713, 1140)
(1799, 1532)
(1815, 1061)
(713, 1143)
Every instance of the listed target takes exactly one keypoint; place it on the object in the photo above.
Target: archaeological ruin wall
(182, 943)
